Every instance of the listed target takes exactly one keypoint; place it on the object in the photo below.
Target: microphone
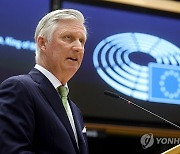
(129, 102)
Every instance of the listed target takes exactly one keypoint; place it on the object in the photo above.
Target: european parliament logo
(164, 83)
(122, 60)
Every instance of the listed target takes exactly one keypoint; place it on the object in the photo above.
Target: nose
(77, 46)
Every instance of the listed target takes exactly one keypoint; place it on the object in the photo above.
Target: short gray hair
(48, 23)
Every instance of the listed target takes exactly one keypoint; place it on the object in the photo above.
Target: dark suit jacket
(33, 119)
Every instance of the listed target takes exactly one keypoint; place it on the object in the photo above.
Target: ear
(41, 42)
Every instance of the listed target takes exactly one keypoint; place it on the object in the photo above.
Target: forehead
(70, 25)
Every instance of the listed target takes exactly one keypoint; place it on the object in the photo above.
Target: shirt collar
(55, 82)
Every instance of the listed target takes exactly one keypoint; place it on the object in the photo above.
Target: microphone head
(111, 94)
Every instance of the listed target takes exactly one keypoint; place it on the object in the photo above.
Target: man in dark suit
(33, 119)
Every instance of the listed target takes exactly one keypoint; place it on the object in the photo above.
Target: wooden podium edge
(132, 130)
(174, 150)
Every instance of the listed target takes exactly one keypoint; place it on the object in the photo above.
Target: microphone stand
(129, 102)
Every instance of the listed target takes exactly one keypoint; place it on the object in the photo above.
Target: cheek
(55, 51)
(82, 55)
(53, 57)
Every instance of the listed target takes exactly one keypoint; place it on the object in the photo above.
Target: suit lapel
(81, 140)
(53, 99)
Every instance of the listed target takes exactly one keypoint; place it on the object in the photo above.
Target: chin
(72, 70)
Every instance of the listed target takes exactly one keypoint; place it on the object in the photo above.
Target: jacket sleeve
(16, 118)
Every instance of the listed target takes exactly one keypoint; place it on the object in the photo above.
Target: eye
(82, 41)
(67, 37)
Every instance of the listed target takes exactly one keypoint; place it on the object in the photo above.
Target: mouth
(72, 59)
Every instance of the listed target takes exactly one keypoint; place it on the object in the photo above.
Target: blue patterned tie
(63, 92)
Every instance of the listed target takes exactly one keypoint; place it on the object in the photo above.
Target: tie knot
(63, 91)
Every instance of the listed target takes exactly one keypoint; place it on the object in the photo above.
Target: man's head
(60, 37)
